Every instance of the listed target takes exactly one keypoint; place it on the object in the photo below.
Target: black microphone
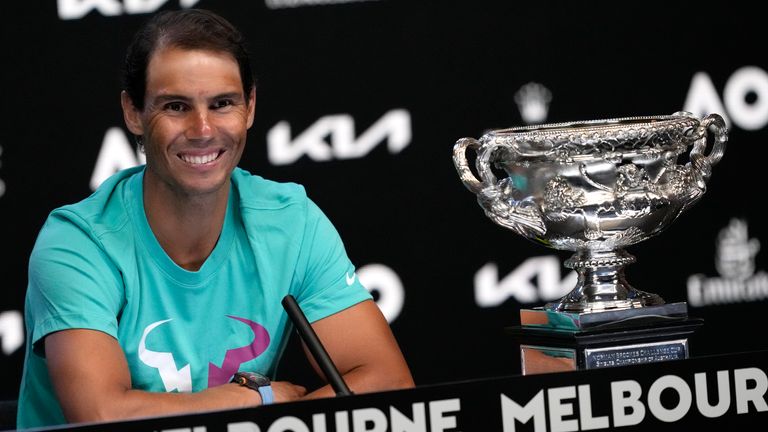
(316, 348)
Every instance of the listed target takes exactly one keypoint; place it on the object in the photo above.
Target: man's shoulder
(258, 193)
(102, 211)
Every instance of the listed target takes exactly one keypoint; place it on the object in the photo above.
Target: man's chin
(203, 187)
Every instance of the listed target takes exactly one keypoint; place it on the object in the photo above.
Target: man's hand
(285, 391)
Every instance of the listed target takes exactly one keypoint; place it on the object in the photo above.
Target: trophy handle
(702, 164)
(521, 216)
(462, 166)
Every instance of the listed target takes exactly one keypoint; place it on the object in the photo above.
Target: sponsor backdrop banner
(362, 101)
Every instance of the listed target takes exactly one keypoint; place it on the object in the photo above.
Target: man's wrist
(257, 382)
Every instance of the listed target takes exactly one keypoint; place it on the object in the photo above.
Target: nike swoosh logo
(350, 280)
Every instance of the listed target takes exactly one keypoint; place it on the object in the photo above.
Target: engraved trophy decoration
(594, 188)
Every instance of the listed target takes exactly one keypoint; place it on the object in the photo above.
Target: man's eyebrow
(232, 95)
(171, 97)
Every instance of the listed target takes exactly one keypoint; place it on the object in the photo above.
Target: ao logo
(394, 126)
(116, 154)
(490, 291)
(745, 98)
(11, 331)
(76, 9)
(382, 280)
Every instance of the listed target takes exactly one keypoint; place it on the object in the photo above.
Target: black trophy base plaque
(565, 341)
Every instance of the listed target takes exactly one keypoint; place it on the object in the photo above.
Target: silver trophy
(594, 188)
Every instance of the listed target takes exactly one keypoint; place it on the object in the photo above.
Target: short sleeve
(329, 283)
(72, 282)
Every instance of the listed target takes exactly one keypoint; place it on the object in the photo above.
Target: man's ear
(131, 114)
(251, 106)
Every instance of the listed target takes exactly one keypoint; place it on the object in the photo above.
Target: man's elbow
(96, 414)
(403, 382)
(104, 409)
(396, 381)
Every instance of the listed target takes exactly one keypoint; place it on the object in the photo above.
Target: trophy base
(553, 341)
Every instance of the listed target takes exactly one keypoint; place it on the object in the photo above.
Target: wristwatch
(256, 382)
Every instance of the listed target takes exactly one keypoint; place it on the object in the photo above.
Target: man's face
(194, 120)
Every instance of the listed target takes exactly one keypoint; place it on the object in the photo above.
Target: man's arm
(92, 382)
(361, 345)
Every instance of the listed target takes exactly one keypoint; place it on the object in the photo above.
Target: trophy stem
(602, 285)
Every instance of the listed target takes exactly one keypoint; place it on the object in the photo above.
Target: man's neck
(187, 227)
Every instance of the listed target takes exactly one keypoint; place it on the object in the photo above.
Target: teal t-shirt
(97, 265)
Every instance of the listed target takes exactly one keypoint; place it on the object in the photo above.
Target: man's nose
(200, 127)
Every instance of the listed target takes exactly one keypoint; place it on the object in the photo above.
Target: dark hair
(187, 29)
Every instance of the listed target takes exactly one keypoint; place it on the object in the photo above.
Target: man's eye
(174, 106)
(222, 103)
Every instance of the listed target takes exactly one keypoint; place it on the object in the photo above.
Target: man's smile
(200, 159)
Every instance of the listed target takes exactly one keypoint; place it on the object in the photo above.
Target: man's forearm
(138, 403)
(366, 380)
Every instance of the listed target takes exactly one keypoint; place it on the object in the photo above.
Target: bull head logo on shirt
(181, 379)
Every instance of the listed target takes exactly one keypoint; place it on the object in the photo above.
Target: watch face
(251, 379)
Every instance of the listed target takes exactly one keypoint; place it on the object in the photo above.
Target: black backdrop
(361, 101)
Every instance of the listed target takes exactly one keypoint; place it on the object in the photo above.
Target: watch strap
(267, 395)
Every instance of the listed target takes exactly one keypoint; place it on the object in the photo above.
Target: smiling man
(147, 297)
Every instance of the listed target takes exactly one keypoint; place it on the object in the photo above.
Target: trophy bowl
(594, 188)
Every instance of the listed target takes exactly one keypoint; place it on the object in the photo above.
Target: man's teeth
(199, 159)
